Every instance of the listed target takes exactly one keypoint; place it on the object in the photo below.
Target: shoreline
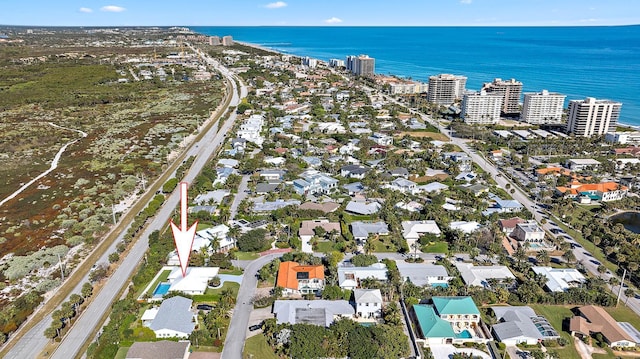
(634, 127)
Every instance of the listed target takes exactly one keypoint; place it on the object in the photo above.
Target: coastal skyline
(325, 13)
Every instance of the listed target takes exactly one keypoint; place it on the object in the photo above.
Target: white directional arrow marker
(182, 236)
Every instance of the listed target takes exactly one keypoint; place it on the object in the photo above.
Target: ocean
(601, 62)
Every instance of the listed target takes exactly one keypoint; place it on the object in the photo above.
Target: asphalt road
(237, 332)
(91, 317)
(241, 195)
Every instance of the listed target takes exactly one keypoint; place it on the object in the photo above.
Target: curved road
(237, 332)
(33, 342)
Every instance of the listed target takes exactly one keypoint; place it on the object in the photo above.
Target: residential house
(211, 197)
(307, 228)
(521, 325)
(368, 303)
(503, 206)
(300, 279)
(312, 161)
(509, 225)
(316, 312)
(399, 172)
(266, 188)
(433, 187)
(412, 230)
(362, 230)
(268, 206)
(251, 128)
(411, 206)
(272, 175)
(482, 276)
(195, 281)
(349, 276)
(326, 207)
(381, 139)
(222, 174)
(354, 171)
(423, 274)
(593, 319)
(448, 320)
(228, 162)
(466, 176)
(464, 226)
(363, 208)
(174, 318)
(460, 159)
(529, 232)
(315, 183)
(560, 279)
(477, 189)
(353, 188)
(403, 185)
(162, 349)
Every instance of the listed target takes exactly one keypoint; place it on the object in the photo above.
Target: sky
(320, 12)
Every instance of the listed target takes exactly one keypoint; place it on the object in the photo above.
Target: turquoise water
(465, 334)
(161, 289)
(534, 245)
(600, 62)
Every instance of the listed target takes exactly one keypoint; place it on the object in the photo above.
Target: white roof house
(363, 208)
(317, 312)
(174, 318)
(361, 230)
(560, 279)
(195, 282)
(412, 230)
(479, 275)
(464, 226)
(422, 274)
(368, 303)
(349, 276)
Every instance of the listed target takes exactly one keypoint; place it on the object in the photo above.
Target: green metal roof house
(449, 320)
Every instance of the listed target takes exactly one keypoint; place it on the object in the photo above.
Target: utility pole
(624, 273)
(113, 213)
(61, 269)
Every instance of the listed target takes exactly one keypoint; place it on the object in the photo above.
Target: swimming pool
(161, 289)
(465, 334)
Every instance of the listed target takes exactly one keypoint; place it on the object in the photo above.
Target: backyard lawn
(324, 247)
(257, 347)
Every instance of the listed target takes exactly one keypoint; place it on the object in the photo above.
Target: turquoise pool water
(464, 334)
(161, 289)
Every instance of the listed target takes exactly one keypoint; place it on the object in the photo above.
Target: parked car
(204, 307)
(256, 326)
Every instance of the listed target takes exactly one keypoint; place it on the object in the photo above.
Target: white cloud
(465, 1)
(276, 5)
(333, 20)
(112, 8)
(85, 10)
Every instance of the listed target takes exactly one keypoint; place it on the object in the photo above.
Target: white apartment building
(624, 138)
(336, 63)
(227, 40)
(309, 62)
(540, 108)
(445, 89)
(481, 108)
(591, 117)
(510, 90)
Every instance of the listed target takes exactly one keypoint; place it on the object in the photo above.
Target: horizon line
(325, 25)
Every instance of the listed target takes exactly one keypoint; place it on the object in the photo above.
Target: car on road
(595, 262)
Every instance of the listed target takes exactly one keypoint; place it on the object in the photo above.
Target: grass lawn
(555, 314)
(257, 347)
(593, 249)
(202, 226)
(384, 245)
(234, 271)
(324, 246)
(622, 313)
(246, 256)
(213, 295)
(436, 247)
(162, 278)
(122, 353)
(435, 135)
